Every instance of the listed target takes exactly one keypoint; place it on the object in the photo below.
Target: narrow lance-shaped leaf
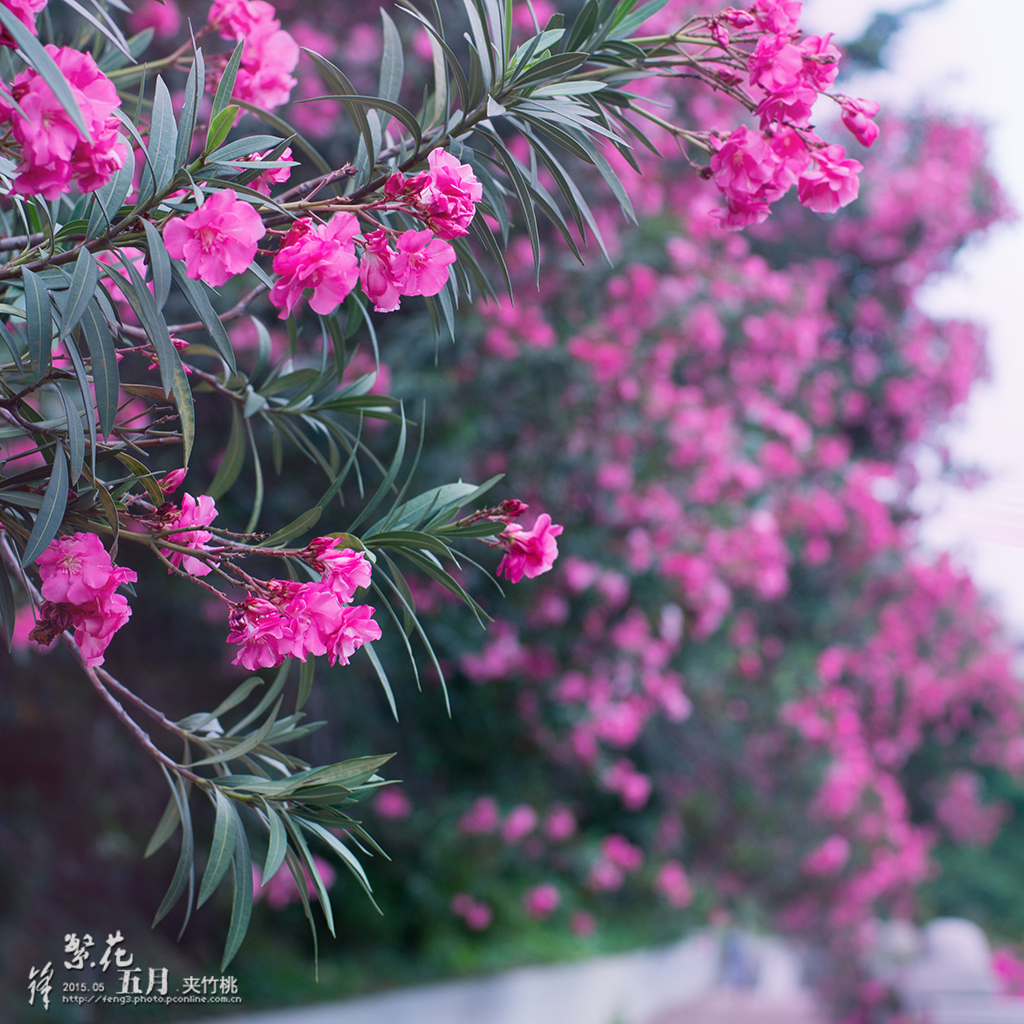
(166, 827)
(195, 295)
(227, 84)
(109, 198)
(241, 907)
(51, 513)
(277, 847)
(76, 435)
(84, 279)
(160, 264)
(105, 373)
(38, 322)
(222, 847)
(194, 86)
(163, 137)
(184, 873)
(6, 605)
(234, 458)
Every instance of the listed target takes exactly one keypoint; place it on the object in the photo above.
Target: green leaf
(257, 502)
(161, 145)
(298, 526)
(306, 671)
(194, 722)
(583, 26)
(434, 506)
(38, 322)
(195, 294)
(624, 26)
(277, 847)
(234, 457)
(344, 853)
(386, 483)
(241, 907)
(106, 27)
(222, 848)
(275, 688)
(194, 86)
(80, 292)
(51, 513)
(314, 875)
(220, 126)
(105, 372)
(336, 79)
(44, 64)
(549, 68)
(76, 435)
(7, 612)
(160, 264)
(371, 653)
(165, 828)
(392, 65)
(185, 872)
(223, 95)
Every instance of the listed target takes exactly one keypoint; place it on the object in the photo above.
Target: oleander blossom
(528, 552)
(421, 265)
(26, 11)
(218, 240)
(300, 620)
(320, 257)
(194, 512)
(377, 273)
(858, 115)
(54, 152)
(449, 195)
(831, 181)
(79, 582)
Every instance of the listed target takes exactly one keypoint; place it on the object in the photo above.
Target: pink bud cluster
(269, 56)
(298, 620)
(80, 584)
(54, 152)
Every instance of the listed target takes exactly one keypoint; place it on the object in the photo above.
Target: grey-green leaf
(38, 322)
(241, 908)
(277, 847)
(222, 848)
(51, 513)
(80, 292)
(160, 264)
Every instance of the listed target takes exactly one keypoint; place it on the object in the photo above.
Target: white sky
(964, 56)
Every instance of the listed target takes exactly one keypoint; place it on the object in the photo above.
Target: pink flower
(422, 263)
(744, 164)
(582, 924)
(541, 901)
(528, 552)
(282, 890)
(193, 513)
(320, 257)
(605, 877)
(521, 821)
(267, 637)
(376, 273)
(820, 61)
(164, 18)
(482, 817)
(622, 853)
(477, 915)
(776, 64)
(235, 19)
(777, 15)
(560, 823)
(344, 571)
(96, 622)
(673, 884)
(170, 482)
(264, 77)
(26, 10)
(829, 858)
(790, 106)
(831, 182)
(78, 570)
(449, 195)
(53, 151)
(392, 803)
(356, 628)
(218, 240)
(857, 116)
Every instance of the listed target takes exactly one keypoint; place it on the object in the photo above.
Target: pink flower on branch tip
(449, 195)
(194, 512)
(218, 240)
(831, 181)
(320, 257)
(528, 552)
(422, 263)
(858, 116)
(381, 284)
(344, 571)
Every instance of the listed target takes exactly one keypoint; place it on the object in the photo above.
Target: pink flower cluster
(787, 73)
(297, 620)
(269, 57)
(54, 153)
(193, 512)
(80, 584)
